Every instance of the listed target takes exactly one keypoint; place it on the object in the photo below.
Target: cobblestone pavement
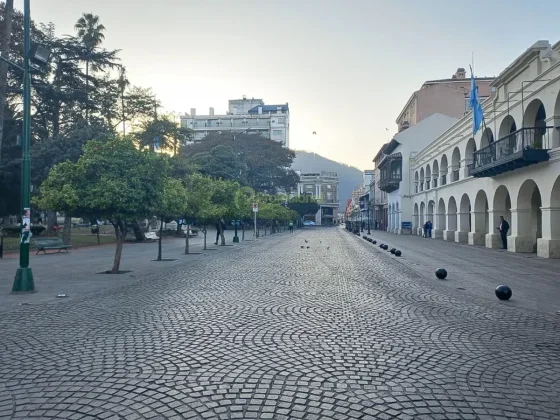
(338, 330)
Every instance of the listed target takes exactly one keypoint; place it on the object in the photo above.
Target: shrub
(15, 231)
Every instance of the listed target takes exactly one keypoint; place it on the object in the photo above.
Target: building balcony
(390, 184)
(521, 148)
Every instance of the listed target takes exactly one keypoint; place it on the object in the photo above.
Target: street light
(23, 281)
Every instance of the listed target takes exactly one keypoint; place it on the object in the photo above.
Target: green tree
(200, 190)
(265, 164)
(221, 162)
(112, 179)
(163, 133)
(173, 204)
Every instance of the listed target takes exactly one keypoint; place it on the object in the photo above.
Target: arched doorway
(479, 221)
(464, 219)
(469, 154)
(415, 218)
(435, 173)
(449, 234)
(430, 213)
(455, 164)
(428, 177)
(508, 129)
(440, 223)
(486, 156)
(527, 226)
(422, 179)
(534, 126)
(556, 123)
(549, 245)
(443, 170)
(501, 206)
(416, 183)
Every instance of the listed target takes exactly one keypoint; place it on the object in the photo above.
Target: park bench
(44, 244)
(151, 236)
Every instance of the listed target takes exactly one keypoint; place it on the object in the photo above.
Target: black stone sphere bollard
(385, 247)
(398, 253)
(374, 242)
(393, 250)
(381, 246)
(503, 292)
(441, 273)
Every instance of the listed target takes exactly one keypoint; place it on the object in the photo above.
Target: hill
(349, 177)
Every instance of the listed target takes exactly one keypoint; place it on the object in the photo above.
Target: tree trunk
(5, 49)
(119, 232)
(67, 232)
(159, 239)
(187, 239)
(243, 232)
(138, 234)
(51, 221)
(204, 231)
(87, 90)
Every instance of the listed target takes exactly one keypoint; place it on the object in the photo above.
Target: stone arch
(435, 173)
(455, 164)
(556, 123)
(430, 212)
(549, 245)
(486, 138)
(501, 206)
(527, 228)
(416, 182)
(479, 220)
(441, 222)
(443, 169)
(422, 214)
(507, 127)
(415, 218)
(422, 179)
(535, 116)
(452, 214)
(464, 219)
(428, 177)
(470, 148)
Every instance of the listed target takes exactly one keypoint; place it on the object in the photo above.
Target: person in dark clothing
(220, 224)
(503, 228)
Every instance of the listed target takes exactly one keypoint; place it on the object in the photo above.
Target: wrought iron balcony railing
(521, 148)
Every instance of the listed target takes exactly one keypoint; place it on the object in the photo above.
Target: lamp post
(368, 218)
(235, 225)
(23, 281)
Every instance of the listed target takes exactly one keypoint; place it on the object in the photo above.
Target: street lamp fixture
(23, 281)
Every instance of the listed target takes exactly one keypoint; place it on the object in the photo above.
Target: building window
(276, 132)
(281, 120)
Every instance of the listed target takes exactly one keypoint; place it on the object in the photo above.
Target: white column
(521, 239)
(478, 228)
(549, 245)
(462, 233)
(437, 232)
(493, 238)
(449, 232)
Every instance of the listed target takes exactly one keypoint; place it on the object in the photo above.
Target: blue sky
(346, 68)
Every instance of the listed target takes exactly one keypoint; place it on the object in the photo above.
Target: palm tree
(90, 33)
(123, 83)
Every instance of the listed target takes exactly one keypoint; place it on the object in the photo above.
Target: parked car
(308, 223)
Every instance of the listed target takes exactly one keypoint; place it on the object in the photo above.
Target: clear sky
(346, 68)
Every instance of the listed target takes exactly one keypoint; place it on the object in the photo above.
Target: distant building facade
(322, 186)
(244, 115)
(445, 96)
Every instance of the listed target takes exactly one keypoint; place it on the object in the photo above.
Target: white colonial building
(394, 167)
(510, 168)
(243, 116)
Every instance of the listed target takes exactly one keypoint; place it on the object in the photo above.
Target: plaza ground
(337, 329)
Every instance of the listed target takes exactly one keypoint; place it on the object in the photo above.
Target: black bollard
(503, 292)
(441, 273)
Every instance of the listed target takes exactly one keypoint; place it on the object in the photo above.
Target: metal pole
(368, 219)
(23, 281)
(255, 223)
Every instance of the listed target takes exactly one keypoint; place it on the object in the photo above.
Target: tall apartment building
(444, 96)
(323, 187)
(252, 116)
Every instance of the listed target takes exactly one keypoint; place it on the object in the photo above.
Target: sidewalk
(535, 282)
(75, 273)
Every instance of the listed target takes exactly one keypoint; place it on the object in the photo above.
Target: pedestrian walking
(425, 227)
(430, 226)
(291, 227)
(503, 228)
(220, 227)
